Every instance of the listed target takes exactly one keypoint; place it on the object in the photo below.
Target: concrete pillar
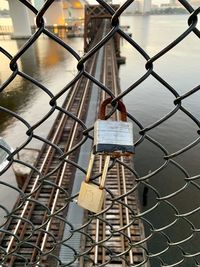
(20, 20)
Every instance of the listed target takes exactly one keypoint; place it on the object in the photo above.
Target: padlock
(91, 196)
(113, 138)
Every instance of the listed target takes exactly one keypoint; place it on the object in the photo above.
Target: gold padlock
(91, 196)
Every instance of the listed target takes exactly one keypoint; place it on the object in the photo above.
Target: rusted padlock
(113, 138)
(91, 196)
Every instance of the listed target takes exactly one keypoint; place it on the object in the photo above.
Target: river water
(54, 67)
(49, 64)
(149, 102)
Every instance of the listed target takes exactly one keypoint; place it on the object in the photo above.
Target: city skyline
(4, 3)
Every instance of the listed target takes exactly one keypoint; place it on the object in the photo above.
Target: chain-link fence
(46, 227)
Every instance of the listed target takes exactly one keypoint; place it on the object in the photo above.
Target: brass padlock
(91, 196)
(113, 138)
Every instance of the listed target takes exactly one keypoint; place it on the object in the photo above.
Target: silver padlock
(113, 138)
(91, 196)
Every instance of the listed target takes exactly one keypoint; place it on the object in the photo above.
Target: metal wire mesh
(50, 238)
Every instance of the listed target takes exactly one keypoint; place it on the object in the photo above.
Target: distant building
(63, 12)
(133, 8)
(171, 5)
(139, 6)
(145, 6)
(195, 3)
(177, 4)
(136, 6)
(73, 11)
(173, 2)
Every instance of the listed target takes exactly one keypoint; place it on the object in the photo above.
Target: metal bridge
(62, 13)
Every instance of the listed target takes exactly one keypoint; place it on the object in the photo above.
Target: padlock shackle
(90, 166)
(104, 172)
(121, 107)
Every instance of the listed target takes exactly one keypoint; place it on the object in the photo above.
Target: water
(54, 67)
(49, 64)
(149, 102)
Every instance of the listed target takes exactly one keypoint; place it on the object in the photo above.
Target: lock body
(113, 137)
(91, 197)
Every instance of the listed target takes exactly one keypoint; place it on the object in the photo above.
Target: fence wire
(49, 238)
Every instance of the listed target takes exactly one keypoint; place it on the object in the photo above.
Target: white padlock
(113, 138)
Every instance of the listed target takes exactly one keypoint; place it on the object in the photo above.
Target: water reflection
(52, 66)
(46, 62)
(149, 102)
